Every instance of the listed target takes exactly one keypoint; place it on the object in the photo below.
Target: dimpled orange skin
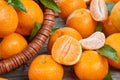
(109, 28)
(8, 19)
(114, 41)
(91, 66)
(63, 31)
(68, 6)
(82, 21)
(12, 45)
(115, 15)
(27, 20)
(43, 67)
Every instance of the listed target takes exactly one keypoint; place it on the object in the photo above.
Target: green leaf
(35, 30)
(109, 6)
(99, 26)
(109, 52)
(17, 4)
(53, 30)
(50, 4)
(108, 76)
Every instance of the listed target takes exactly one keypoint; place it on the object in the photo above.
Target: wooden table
(21, 72)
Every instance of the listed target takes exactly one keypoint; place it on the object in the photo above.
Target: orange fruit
(66, 50)
(115, 15)
(62, 31)
(8, 19)
(28, 19)
(3, 79)
(43, 67)
(82, 21)
(68, 6)
(114, 41)
(109, 28)
(91, 66)
(12, 45)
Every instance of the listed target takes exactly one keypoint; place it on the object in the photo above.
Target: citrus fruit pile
(16, 25)
(89, 41)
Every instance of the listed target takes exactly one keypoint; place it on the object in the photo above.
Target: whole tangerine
(27, 20)
(82, 21)
(12, 45)
(43, 67)
(8, 19)
(91, 66)
(68, 6)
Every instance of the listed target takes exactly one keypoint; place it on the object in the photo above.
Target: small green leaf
(109, 52)
(50, 4)
(99, 27)
(35, 30)
(17, 4)
(53, 30)
(108, 76)
(109, 6)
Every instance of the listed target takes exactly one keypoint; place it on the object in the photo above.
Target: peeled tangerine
(95, 41)
(66, 50)
(98, 10)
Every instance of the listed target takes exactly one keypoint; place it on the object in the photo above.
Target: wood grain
(21, 72)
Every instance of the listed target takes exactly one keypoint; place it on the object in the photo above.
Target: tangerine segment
(8, 19)
(44, 67)
(115, 15)
(91, 66)
(98, 10)
(66, 50)
(114, 41)
(63, 31)
(12, 45)
(82, 21)
(93, 42)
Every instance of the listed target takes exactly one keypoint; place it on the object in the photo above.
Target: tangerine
(108, 27)
(68, 6)
(63, 31)
(12, 45)
(82, 21)
(115, 17)
(66, 50)
(114, 41)
(27, 20)
(8, 19)
(91, 66)
(43, 67)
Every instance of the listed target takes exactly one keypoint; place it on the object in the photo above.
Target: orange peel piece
(98, 10)
(95, 41)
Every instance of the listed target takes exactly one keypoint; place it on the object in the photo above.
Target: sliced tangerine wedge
(95, 41)
(98, 10)
(66, 50)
